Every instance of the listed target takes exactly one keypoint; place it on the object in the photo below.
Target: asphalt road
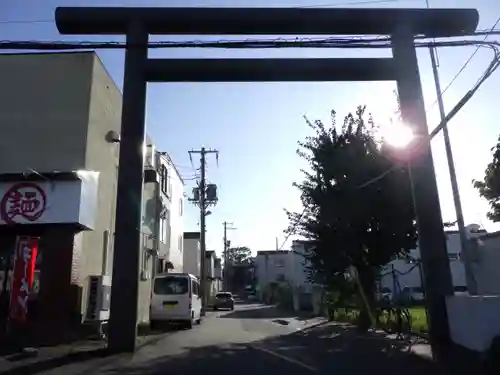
(249, 341)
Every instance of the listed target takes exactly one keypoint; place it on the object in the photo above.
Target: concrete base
(474, 320)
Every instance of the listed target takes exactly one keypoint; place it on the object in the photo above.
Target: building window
(181, 207)
(164, 179)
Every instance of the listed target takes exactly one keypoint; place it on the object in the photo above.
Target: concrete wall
(104, 115)
(473, 320)
(487, 268)
(44, 110)
(191, 256)
(272, 266)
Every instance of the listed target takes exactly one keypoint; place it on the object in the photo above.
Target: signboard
(23, 201)
(22, 279)
(50, 202)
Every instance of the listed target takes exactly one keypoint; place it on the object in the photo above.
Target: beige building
(59, 114)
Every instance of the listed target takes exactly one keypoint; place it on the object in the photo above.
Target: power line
(493, 66)
(21, 22)
(335, 42)
(467, 61)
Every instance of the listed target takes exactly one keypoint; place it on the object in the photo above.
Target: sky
(256, 126)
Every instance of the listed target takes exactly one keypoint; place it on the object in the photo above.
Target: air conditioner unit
(99, 299)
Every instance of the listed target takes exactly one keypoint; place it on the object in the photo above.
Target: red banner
(22, 278)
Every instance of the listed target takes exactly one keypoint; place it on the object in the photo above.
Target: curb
(94, 358)
(315, 325)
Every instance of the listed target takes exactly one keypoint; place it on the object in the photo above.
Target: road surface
(249, 341)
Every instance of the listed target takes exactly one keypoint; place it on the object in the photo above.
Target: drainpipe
(156, 234)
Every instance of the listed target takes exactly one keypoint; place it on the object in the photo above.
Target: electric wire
(460, 71)
(380, 42)
(493, 66)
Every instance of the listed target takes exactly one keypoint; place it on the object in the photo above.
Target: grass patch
(417, 313)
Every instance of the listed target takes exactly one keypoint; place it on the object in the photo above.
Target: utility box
(99, 300)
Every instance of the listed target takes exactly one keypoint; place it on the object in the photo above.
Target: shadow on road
(215, 359)
(328, 350)
(23, 365)
(259, 311)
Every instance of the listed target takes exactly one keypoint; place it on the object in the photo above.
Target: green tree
(238, 255)
(489, 188)
(358, 203)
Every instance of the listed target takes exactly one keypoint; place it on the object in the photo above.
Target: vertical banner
(22, 277)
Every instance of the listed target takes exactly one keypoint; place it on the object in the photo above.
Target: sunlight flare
(398, 135)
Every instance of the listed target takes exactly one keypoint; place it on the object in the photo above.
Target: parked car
(175, 298)
(224, 300)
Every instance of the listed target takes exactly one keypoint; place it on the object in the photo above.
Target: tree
(358, 207)
(489, 188)
(238, 255)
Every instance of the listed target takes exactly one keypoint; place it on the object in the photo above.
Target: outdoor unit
(99, 298)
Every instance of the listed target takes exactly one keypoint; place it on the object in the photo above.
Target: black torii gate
(138, 23)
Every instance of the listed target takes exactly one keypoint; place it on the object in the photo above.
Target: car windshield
(169, 285)
(223, 295)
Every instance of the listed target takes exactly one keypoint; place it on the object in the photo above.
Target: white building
(272, 266)
(407, 273)
(289, 266)
(192, 253)
(171, 226)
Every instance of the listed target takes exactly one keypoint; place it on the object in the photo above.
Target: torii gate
(138, 23)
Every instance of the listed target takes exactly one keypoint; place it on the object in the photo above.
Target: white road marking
(284, 358)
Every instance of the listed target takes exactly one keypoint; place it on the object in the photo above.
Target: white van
(175, 298)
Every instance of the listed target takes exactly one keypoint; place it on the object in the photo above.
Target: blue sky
(256, 126)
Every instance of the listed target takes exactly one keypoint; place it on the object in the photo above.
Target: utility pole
(464, 242)
(204, 195)
(225, 255)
